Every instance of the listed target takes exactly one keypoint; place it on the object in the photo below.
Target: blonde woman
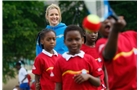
(53, 16)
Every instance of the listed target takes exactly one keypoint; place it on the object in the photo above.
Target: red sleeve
(57, 72)
(29, 77)
(95, 68)
(131, 36)
(37, 67)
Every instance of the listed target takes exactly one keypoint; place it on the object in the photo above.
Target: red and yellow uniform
(122, 70)
(43, 66)
(69, 65)
(93, 52)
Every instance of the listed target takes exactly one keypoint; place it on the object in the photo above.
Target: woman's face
(53, 17)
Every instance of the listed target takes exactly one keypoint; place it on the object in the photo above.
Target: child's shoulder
(39, 56)
(88, 57)
(59, 56)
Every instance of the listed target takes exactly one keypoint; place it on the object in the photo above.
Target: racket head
(100, 8)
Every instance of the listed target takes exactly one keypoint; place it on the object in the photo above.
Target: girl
(22, 75)
(89, 48)
(44, 62)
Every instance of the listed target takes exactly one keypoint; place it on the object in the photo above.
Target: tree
(73, 12)
(21, 23)
(22, 20)
(128, 9)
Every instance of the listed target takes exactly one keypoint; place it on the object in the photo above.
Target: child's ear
(83, 40)
(64, 41)
(42, 42)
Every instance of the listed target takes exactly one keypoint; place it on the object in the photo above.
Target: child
(89, 48)
(119, 52)
(44, 62)
(76, 70)
(28, 77)
(22, 75)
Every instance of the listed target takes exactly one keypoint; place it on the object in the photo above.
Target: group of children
(77, 67)
(88, 64)
(73, 70)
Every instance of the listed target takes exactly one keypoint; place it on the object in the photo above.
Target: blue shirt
(60, 46)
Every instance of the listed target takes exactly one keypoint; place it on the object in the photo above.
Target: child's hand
(120, 24)
(37, 86)
(79, 78)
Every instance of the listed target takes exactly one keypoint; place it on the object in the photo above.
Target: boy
(76, 70)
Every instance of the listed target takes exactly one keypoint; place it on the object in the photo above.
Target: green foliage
(22, 20)
(21, 23)
(73, 12)
(128, 9)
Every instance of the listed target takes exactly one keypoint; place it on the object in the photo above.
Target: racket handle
(114, 15)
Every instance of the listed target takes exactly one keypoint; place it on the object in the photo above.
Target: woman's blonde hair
(53, 6)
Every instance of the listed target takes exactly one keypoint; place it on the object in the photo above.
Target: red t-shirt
(122, 70)
(93, 52)
(32, 87)
(64, 72)
(43, 66)
(29, 78)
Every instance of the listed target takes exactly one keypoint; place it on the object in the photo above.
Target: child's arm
(84, 77)
(106, 78)
(24, 78)
(58, 86)
(111, 46)
(37, 82)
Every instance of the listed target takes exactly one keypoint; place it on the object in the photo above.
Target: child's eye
(54, 39)
(69, 40)
(77, 39)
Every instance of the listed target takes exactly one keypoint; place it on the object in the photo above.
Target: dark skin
(111, 45)
(110, 29)
(91, 37)
(49, 42)
(74, 41)
(18, 68)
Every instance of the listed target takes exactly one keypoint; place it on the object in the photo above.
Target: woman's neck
(53, 25)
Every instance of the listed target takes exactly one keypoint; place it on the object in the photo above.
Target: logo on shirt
(51, 75)
(99, 69)
(135, 51)
(33, 67)
(59, 36)
(99, 60)
(84, 71)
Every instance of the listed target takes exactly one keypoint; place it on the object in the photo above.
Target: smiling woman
(53, 16)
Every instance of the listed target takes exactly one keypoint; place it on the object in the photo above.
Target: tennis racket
(100, 8)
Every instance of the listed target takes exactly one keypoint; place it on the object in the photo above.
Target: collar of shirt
(68, 56)
(49, 54)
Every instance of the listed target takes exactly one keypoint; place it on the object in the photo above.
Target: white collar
(49, 54)
(68, 56)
